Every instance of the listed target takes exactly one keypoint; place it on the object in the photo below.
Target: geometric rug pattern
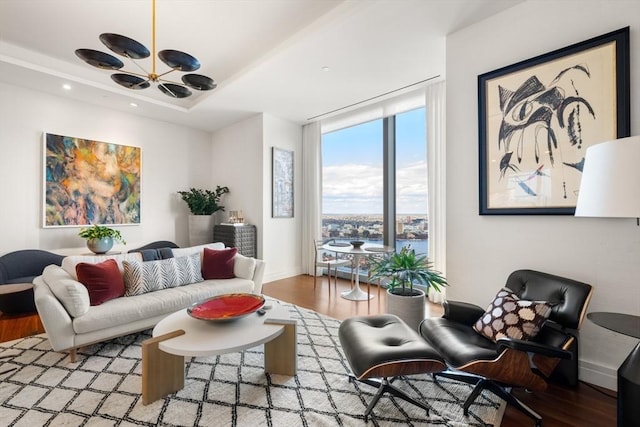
(103, 388)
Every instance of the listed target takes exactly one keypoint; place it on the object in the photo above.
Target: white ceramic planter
(411, 309)
(200, 229)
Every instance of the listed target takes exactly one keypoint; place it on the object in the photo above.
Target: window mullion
(389, 178)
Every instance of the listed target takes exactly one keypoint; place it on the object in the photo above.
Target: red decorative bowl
(226, 307)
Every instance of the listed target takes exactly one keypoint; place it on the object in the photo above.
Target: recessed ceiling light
(325, 68)
(66, 86)
(133, 104)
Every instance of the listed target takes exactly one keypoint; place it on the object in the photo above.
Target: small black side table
(629, 371)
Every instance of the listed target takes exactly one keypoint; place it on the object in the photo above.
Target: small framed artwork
(282, 193)
(90, 182)
(537, 118)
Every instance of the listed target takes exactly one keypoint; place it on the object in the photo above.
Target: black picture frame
(536, 118)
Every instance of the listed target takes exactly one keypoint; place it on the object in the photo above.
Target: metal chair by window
(378, 280)
(322, 261)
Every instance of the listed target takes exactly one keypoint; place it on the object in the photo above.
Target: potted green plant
(401, 271)
(100, 238)
(202, 204)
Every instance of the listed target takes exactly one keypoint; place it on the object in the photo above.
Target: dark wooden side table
(629, 371)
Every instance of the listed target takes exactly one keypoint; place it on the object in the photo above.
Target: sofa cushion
(218, 264)
(178, 252)
(69, 263)
(244, 267)
(73, 295)
(510, 316)
(143, 277)
(103, 280)
(155, 304)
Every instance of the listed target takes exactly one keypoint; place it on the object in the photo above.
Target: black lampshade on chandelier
(129, 48)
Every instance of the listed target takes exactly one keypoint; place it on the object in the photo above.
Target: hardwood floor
(18, 326)
(559, 406)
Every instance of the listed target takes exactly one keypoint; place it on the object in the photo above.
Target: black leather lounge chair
(499, 364)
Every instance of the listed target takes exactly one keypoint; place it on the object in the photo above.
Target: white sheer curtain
(311, 194)
(436, 162)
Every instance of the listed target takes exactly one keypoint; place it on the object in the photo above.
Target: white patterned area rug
(103, 388)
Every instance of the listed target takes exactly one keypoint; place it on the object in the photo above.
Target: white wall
(282, 247)
(483, 250)
(241, 160)
(173, 158)
(236, 162)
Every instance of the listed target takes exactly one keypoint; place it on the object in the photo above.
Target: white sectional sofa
(70, 322)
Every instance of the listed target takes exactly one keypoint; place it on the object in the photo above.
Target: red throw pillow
(103, 280)
(218, 264)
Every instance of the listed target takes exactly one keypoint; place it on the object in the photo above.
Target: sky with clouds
(352, 167)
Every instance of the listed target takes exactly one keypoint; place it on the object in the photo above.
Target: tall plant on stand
(203, 204)
(402, 271)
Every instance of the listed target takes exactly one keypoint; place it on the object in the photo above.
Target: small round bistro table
(366, 250)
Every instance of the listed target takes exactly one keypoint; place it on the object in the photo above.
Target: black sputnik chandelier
(129, 48)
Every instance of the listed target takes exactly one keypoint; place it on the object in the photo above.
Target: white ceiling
(265, 55)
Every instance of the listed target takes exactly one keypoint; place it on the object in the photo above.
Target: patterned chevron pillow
(143, 277)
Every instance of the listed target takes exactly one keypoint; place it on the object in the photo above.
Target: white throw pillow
(244, 267)
(142, 277)
(180, 252)
(72, 294)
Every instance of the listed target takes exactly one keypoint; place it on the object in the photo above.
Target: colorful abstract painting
(90, 182)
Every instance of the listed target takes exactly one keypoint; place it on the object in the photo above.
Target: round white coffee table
(179, 335)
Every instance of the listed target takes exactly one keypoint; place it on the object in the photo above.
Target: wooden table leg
(281, 353)
(162, 373)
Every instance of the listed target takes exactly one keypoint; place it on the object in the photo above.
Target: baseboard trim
(599, 375)
(271, 277)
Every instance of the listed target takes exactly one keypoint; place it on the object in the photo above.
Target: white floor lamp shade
(610, 185)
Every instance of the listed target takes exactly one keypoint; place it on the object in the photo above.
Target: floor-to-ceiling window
(374, 182)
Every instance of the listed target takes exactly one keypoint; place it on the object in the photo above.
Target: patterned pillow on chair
(510, 316)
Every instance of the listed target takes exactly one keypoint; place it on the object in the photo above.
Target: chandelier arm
(165, 73)
(146, 74)
(162, 81)
(141, 83)
(168, 90)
